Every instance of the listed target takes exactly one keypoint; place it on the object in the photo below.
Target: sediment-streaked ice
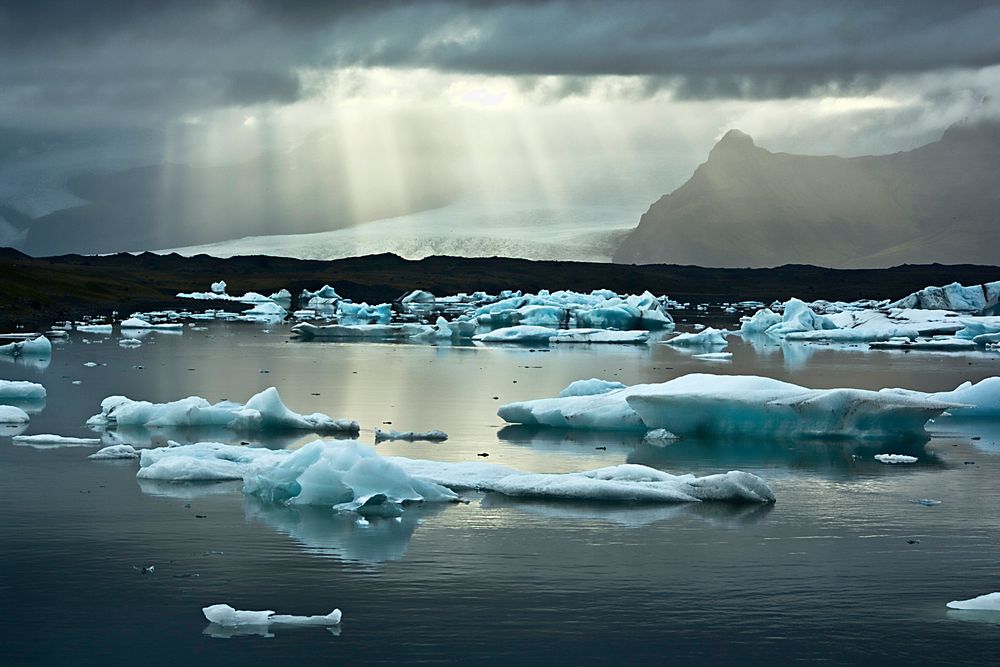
(20, 390)
(431, 436)
(223, 614)
(971, 299)
(265, 411)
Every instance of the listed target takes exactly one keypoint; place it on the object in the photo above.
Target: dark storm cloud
(73, 61)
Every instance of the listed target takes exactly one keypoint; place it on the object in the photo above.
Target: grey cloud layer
(141, 63)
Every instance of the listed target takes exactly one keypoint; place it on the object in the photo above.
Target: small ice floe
(713, 356)
(90, 364)
(40, 347)
(988, 602)
(895, 458)
(139, 323)
(21, 391)
(590, 387)
(931, 344)
(13, 415)
(264, 411)
(223, 614)
(926, 502)
(115, 452)
(431, 436)
(129, 342)
(307, 331)
(708, 337)
(522, 333)
(599, 336)
(49, 441)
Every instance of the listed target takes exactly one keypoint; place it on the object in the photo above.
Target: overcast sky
(627, 86)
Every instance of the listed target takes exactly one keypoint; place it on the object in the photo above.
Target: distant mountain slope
(317, 186)
(748, 207)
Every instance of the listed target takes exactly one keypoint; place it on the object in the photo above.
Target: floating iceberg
(430, 436)
(708, 337)
(518, 334)
(95, 328)
(604, 336)
(266, 311)
(988, 602)
(52, 441)
(933, 344)
(223, 614)
(703, 404)
(714, 356)
(443, 329)
(590, 387)
(895, 458)
(980, 400)
(115, 452)
(263, 412)
(417, 296)
(39, 346)
(21, 391)
(219, 287)
(349, 476)
(13, 415)
(129, 342)
(973, 299)
(325, 295)
(307, 331)
(138, 323)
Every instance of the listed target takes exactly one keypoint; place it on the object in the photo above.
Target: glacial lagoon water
(843, 569)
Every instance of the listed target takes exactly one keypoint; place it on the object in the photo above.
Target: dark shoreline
(35, 292)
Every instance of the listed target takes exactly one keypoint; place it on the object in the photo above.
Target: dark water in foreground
(827, 575)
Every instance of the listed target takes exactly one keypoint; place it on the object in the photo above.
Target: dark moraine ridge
(35, 292)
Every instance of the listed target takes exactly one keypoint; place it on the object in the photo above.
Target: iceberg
(95, 328)
(518, 334)
(265, 311)
(704, 404)
(39, 346)
(980, 400)
(21, 391)
(988, 602)
(604, 336)
(430, 436)
(138, 323)
(115, 452)
(707, 337)
(713, 356)
(219, 287)
(264, 411)
(349, 476)
(324, 296)
(973, 299)
(933, 344)
(13, 415)
(129, 342)
(590, 387)
(52, 441)
(895, 458)
(417, 296)
(443, 329)
(307, 331)
(223, 614)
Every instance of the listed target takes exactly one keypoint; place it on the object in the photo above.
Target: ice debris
(265, 411)
(430, 436)
(52, 441)
(115, 452)
(139, 323)
(223, 614)
(972, 299)
(895, 458)
(13, 415)
(39, 346)
(19, 390)
(988, 602)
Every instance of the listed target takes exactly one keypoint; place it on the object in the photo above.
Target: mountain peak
(733, 142)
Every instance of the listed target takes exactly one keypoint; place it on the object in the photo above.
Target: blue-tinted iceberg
(223, 614)
(40, 347)
(988, 602)
(13, 415)
(264, 411)
(21, 391)
(973, 299)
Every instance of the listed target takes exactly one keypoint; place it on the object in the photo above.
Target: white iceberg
(13, 415)
(981, 399)
(349, 476)
(713, 356)
(52, 441)
(417, 296)
(265, 311)
(604, 336)
(325, 295)
(895, 458)
(95, 328)
(430, 436)
(988, 602)
(264, 411)
(129, 342)
(972, 299)
(308, 331)
(932, 344)
(590, 387)
(703, 404)
(139, 323)
(707, 337)
(20, 390)
(219, 287)
(223, 614)
(114, 452)
(518, 334)
(443, 329)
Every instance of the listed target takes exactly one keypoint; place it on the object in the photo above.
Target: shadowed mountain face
(748, 207)
(318, 186)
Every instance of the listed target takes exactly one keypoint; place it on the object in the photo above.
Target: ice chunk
(51, 441)
(972, 299)
(129, 342)
(926, 502)
(599, 336)
(443, 329)
(798, 316)
(95, 328)
(761, 321)
(988, 602)
(115, 452)
(590, 387)
(431, 436)
(39, 346)
(518, 334)
(223, 614)
(417, 296)
(219, 287)
(138, 323)
(307, 331)
(980, 400)
(266, 311)
(703, 404)
(21, 391)
(325, 295)
(707, 337)
(935, 344)
(264, 411)
(13, 415)
(895, 458)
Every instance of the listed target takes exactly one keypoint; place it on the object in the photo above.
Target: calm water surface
(842, 570)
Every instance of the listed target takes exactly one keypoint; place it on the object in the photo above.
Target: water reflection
(144, 437)
(188, 490)
(974, 616)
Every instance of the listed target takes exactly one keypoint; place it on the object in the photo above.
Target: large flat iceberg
(223, 614)
(264, 411)
(704, 405)
(21, 391)
(350, 476)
